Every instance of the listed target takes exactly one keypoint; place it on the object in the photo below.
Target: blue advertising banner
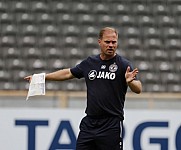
(51, 129)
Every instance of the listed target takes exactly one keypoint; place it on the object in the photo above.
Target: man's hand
(130, 76)
(28, 78)
(134, 85)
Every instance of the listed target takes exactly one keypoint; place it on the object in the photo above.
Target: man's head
(108, 42)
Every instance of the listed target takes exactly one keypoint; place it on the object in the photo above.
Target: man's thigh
(100, 134)
(109, 135)
(85, 142)
(109, 140)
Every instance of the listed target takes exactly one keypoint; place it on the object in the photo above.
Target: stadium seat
(121, 8)
(23, 85)
(48, 41)
(149, 77)
(86, 19)
(166, 21)
(9, 29)
(49, 30)
(70, 30)
(25, 18)
(8, 86)
(7, 41)
(29, 30)
(159, 9)
(132, 43)
(15, 64)
(60, 7)
(82, 8)
(72, 53)
(19, 6)
(126, 20)
(158, 54)
(70, 41)
(3, 6)
(4, 75)
(162, 66)
(6, 17)
(36, 64)
(39, 7)
(122, 52)
(174, 88)
(31, 53)
(11, 52)
(91, 52)
(100, 8)
(89, 42)
(152, 87)
(52, 52)
(137, 54)
(27, 41)
(71, 86)
(18, 75)
(175, 55)
(171, 33)
(153, 43)
(65, 18)
(140, 9)
(176, 9)
(172, 44)
(130, 32)
(144, 65)
(52, 86)
(151, 32)
(90, 31)
(106, 20)
(44, 18)
(170, 78)
(56, 64)
(145, 21)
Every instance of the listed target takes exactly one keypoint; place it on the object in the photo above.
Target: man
(107, 77)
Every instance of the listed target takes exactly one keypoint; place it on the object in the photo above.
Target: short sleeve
(77, 71)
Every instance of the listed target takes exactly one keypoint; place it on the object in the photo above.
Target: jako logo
(92, 74)
(101, 75)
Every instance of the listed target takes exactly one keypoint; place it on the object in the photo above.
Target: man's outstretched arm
(59, 75)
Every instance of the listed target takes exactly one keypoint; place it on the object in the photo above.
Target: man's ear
(99, 41)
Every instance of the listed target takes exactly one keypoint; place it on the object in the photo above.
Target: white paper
(37, 85)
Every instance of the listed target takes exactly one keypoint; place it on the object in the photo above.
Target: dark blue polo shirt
(106, 84)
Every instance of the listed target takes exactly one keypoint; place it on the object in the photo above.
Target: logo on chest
(110, 75)
(101, 75)
(113, 68)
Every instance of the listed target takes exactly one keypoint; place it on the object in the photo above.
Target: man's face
(108, 43)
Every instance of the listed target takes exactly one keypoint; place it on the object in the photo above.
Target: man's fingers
(28, 78)
(135, 70)
(128, 69)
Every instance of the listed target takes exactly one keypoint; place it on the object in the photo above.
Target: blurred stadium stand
(47, 35)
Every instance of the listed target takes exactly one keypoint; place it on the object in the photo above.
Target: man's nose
(110, 44)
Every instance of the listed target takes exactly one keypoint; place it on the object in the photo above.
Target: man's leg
(110, 136)
(85, 140)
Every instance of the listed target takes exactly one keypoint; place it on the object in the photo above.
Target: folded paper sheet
(37, 85)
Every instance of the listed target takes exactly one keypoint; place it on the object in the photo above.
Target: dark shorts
(100, 134)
